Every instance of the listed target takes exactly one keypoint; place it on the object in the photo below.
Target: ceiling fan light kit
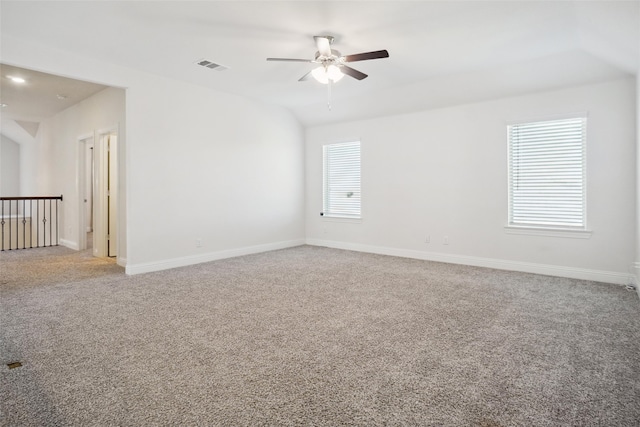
(324, 74)
(332, 66)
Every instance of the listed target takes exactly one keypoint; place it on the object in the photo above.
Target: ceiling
(441, 52)
(41, 95)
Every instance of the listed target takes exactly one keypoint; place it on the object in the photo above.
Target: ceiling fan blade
(305, 77)
(353, 72)
(367, 55)
(324, 44)
(289, 60)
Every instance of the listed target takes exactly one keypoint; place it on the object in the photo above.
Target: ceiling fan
(331, 62)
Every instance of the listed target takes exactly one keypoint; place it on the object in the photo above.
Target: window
(341, 192)
(547, 174)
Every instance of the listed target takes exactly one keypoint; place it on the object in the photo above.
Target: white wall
(443, 173)
(9, 167)
(212, 167)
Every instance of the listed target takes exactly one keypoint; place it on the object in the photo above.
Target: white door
(112, 195)
(105, 218)
(86, 188)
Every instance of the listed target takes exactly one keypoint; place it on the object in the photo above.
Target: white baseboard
(211, 256)
(525, 267)
(122, 262)
(70, 244)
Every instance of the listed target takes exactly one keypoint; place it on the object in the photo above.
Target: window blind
(341, 192)
(547, 173)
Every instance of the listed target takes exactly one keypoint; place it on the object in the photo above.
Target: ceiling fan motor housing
(329, 60)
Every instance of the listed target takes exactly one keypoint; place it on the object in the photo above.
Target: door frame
(81, 182)
(100, 175)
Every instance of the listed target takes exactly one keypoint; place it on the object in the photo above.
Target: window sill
(337, 218)
(550, 232)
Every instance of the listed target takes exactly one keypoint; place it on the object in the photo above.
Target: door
(112, 195)
(105, 195)
(86, 186)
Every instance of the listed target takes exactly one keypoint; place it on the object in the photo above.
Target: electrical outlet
(445, 241)
(427, 239)
(198, 243)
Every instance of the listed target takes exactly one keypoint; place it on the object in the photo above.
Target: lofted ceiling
(41, 95)
(441, 52)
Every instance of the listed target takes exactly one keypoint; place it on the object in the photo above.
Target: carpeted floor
(311, 336)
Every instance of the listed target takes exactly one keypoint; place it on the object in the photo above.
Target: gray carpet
(311, 336)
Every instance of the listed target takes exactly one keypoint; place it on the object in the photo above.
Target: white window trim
(337, 217)
(524, 229)
(549, 232)
(343, 219)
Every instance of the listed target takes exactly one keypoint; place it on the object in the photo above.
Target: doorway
(86, 189)
(98, 193)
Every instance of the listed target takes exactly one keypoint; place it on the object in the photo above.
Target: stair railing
(29, 222)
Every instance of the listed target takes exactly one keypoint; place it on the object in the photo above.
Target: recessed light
(16, 79)
(3, 105)
(61, 96)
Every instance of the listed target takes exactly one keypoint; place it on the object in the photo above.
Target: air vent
(211, 65)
